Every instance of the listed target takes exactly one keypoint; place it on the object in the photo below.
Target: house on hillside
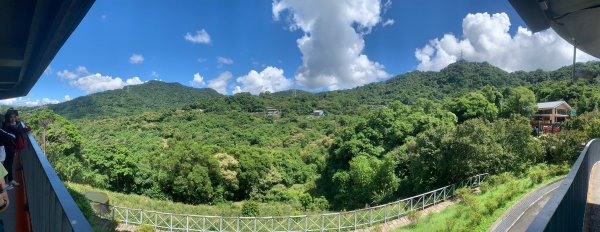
(553, 112)
(318, 113)
(272, 112)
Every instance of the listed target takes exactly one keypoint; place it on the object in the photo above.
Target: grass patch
(224, 209)
(477, 212)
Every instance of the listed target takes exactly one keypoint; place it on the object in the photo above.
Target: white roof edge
(552, 104)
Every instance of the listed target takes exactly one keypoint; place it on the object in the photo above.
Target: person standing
(10, 146)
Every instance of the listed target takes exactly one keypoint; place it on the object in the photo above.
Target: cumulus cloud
(201, 37)
(224, 60)
(21, 101)
(486, 38)
(71, 75)
(92, 83)
(67, 98)
(198, 80)
(136, 59)
(155, 74)
(220, 83)
(333, 43)
(388, 22)
(269, 79)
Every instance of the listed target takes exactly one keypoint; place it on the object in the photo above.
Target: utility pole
(574, 59)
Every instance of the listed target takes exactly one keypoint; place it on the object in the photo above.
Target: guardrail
(350, 220)
(565, 211)
(51, 207)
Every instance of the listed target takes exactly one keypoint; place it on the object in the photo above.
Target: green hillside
(135, 99)
(377, 142)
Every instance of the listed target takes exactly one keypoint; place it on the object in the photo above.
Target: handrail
(355, 219)
(565, 211)
(51, 206)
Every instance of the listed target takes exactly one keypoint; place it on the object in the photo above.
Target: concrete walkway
(520, 215)
(403, 221)
(593, 201)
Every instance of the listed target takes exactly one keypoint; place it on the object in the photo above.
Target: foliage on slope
(131, 100)
(377, 143)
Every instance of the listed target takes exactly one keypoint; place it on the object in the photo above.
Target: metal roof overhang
(31, 33)
(576, 21)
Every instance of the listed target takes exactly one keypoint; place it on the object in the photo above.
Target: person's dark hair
(12, 111)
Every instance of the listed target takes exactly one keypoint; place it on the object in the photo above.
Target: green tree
(473, 105)
(519, 100)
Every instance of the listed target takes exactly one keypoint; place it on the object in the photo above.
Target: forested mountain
(134, 99)
(376, 143)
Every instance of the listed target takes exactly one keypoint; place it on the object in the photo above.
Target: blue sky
(253, 46)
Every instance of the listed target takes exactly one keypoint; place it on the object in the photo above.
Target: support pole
(574, 60)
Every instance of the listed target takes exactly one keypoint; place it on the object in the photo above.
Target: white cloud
(269, 79)
(388, 22)
(201, 37)
(92, 83)
(67, 98)
(224, 60)
(136, 59)
(487, 38)
(333, 43)
(98, 82)
(21, 101)
(220, 83)
(155, 74)
(198, 80)
(70, 75)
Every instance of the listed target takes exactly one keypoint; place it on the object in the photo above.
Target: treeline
(376, 143)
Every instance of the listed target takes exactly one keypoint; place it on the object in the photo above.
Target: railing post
(237, 223)
(141, 216)
(339, 221)
(399, 209)
(306, 223)
(254, 224)
(187, 222)
(126, 216)
(204, 229)
(355, 219)
(220, 224)
(385, 214)
(322, 222)
(370, 217)
(171, 226)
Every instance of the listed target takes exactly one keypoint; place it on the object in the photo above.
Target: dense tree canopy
(377, 142)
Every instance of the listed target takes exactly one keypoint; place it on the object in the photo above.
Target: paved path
(593, 201)
(520, 215)
(403, 221)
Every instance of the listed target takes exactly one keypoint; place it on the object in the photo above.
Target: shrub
(491, 205)
(250, 209)
(145, 228)
(413, 215)
(306, 200)
(537, 174)
(484, 187)
(466, 196)
(320, 203)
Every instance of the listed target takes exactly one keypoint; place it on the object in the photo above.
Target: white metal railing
(350, 220)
